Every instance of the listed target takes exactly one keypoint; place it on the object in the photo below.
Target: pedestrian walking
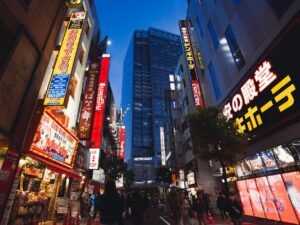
(234, 210)
(200, 206)
(97, 204)
(146, 206)
(174, 206)
(122, 214)
(221, 204)
(110, 205)
(137, 208)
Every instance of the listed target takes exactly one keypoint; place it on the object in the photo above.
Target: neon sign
(198, 100)
(268, 97)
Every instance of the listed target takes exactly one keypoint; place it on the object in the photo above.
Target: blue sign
(57, 89)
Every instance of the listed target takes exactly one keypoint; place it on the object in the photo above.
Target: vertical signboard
(94, 158)
(122, 142)
(190, 59)
(88, 103)
(100, 103)
(162, 146)
(59, 81)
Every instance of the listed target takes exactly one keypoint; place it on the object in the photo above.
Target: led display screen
(245, 198)
(257, 207)
(267, 198)
(292, 183)
(281, 199)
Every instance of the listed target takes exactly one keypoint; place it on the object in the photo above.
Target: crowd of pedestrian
(196, 210)
(115, 208)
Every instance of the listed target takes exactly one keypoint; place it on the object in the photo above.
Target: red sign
(100, 102)
(54, 142)
(197, 93)
(122, 142)
(191, 63)
(88, 103)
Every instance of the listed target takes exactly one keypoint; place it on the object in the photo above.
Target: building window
(234, 48)
(199, 27)
(214, 80)
(236, 2)
(280, 6)
(213, 34)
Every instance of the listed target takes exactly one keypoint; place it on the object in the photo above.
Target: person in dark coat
(97, 204)
(221, 204)
(146, 206)
(137, 209)
(110, 205)
(200, 206)
(234, 210)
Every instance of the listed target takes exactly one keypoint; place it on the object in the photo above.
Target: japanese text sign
(100, 102)
(190, 59)
(59, 80)
(270, 96)
(88, 103)
(122, 142)
(162, 146)
(54, 142)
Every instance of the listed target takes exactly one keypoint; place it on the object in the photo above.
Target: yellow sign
(59, 81)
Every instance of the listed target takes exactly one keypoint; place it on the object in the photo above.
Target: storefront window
(3, 150)
(36, 197)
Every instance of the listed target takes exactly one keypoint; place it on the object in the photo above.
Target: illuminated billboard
(267, 198)
(267, 97)
(54, 142)
(190, 59)
(88, 103)
(162, 146)
(59, 81)
(245, 197)
(255, 199)
(100, 102)
(94, 158)
(122, 142)
(282, 200)
(292, 183)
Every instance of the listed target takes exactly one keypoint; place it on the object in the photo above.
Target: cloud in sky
(118, 19)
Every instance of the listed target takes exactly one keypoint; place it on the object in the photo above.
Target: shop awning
(56, 167)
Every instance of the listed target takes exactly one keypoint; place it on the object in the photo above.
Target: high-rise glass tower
(151, 57)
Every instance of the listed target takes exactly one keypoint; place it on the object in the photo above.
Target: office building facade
(152, 55)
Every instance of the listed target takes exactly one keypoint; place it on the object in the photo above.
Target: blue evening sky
(118, 20)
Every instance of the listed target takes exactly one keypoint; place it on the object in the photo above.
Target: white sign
(98, 175)
(162, 146)
(191, 178)
(94, 158)
(142, 159)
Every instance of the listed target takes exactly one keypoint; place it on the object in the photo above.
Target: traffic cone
(97, 219)
(210, 219)
(89, 221)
